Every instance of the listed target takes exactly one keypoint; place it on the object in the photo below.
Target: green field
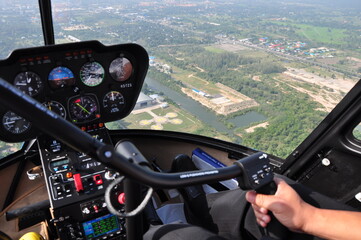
(192, 81)
(324, 35)
(214, 49)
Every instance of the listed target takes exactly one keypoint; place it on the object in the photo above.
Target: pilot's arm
(299, 216)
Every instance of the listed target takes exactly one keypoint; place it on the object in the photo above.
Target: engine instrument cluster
(85, 82)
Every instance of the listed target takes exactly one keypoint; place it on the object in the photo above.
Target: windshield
(20, 28)
(259, 73)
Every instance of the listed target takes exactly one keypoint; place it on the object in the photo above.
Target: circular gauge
(14, 123)
(92, 74)
(29, 83)
(113, 102)
(60, 77)
(56, 107)
(120, 69)
(83, 108)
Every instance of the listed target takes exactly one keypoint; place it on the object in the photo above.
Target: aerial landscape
(260, 73)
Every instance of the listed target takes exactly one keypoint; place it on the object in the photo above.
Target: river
(200, 111)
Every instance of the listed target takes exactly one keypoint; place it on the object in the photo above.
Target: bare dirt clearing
(343, 85)
(261, 125)
(232, 47)
(326, 91)
(227, 100)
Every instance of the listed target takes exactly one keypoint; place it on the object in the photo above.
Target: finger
(262, 201)
(251, 196)
(263, 217)
(263, 210)
(278, 180)
(259, 209)
(263, 224)
(266, 219)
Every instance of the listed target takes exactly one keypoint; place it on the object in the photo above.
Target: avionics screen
(100, 226)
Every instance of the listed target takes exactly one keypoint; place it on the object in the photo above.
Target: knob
(121, 198)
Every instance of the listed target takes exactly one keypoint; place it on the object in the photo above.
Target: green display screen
(100, 226)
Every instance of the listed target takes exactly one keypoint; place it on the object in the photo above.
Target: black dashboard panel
(85, 82)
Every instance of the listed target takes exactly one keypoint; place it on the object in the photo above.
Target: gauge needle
(82, 108)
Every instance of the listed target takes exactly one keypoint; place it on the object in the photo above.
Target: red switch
(121, 198)
(78, 183)
(96, 208)
(98, 179)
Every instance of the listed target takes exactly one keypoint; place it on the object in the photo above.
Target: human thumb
(260, 200)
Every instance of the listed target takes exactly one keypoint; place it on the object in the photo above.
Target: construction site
(227, 101)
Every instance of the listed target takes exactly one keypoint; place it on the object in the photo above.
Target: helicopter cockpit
(92, 121)
(75, 89)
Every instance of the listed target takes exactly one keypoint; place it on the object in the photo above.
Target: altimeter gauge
(113, 102)
(14, 123)
(120, 69)
(29, 83)
(92, 74)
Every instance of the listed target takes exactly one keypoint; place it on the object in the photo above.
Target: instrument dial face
(56, 107)
(14, 123)
(113, 102)
(29, 83)
(120, 69)
(83, 108)
(92, 74)
(61, 77)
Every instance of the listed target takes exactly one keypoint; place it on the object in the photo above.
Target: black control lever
(29, 209)
(257, 175)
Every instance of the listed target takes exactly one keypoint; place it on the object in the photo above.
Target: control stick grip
(274, 230)
(256, 172)
(257, 175)
(268, 189)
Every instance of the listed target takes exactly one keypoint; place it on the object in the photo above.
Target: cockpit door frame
(47, 21)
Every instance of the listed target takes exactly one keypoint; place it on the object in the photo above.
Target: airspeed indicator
(92, 74)
(113, 102)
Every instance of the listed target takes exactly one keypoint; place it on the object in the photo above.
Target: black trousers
(230, 216)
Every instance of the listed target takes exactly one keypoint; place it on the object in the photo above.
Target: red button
(121, 198)
(96, 208)
(78, 183)
(98, 179)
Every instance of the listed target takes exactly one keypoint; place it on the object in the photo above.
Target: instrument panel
(86, 83)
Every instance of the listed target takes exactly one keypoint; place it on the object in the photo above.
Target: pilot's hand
(286, 205)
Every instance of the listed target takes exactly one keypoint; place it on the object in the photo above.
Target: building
(144, 101)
